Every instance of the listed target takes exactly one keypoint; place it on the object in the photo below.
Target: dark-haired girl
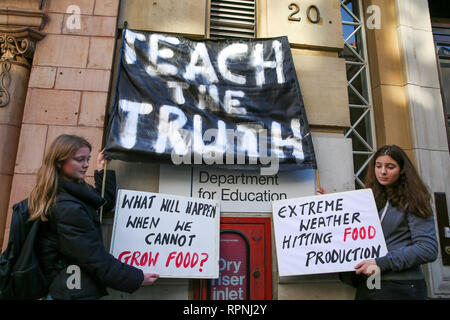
(408, 226)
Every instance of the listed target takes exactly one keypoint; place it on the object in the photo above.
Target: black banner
(229, 103)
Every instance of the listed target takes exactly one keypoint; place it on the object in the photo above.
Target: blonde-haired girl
(70, 234)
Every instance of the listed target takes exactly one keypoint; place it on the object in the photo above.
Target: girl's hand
(367, 267)
(101, 160)
(149, 278)
(320, 191)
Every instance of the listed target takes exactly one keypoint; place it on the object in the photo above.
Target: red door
(244, 264)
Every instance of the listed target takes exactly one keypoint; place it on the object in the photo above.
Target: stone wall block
(48, 106)
(91, 26)
(42, 77)
(106, 7)
(82, 79)
(92, 111)
(101, 53)
(62, 6)
(62, 51)
(54, 23)
(30, 155)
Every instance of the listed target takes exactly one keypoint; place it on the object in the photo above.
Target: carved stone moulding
(23, 4)
(17, 47)
(16, 17)
(22, 13)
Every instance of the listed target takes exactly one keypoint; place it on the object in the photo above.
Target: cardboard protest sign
(169, 235)
(327, 233)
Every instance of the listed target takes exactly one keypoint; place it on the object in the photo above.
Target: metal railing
(362, 128)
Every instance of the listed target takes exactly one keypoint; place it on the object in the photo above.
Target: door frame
(200, 286)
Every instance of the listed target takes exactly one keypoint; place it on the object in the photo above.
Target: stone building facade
(58, 61)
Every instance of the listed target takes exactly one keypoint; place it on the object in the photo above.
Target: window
(441, 35)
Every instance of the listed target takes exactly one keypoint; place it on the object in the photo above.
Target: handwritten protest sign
(169, 235)
(327, 233)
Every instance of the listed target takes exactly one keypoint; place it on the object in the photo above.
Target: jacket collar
(83, 192)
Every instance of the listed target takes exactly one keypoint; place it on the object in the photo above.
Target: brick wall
(68, 87)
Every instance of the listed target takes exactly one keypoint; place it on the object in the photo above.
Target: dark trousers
(393, 290)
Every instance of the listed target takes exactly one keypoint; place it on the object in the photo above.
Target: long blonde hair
(43, 195)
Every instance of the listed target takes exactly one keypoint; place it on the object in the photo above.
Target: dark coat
(72, 239)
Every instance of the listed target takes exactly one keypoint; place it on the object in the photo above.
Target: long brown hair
(409, 189)
(43, 195)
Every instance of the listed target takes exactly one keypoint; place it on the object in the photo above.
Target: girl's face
(75, 167)
(387, 170)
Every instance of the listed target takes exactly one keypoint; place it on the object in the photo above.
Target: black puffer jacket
(73, 237)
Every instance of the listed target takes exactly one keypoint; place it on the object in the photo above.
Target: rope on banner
(103, 189)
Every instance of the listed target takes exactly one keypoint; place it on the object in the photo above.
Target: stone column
(16, 50)
(425, 117)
